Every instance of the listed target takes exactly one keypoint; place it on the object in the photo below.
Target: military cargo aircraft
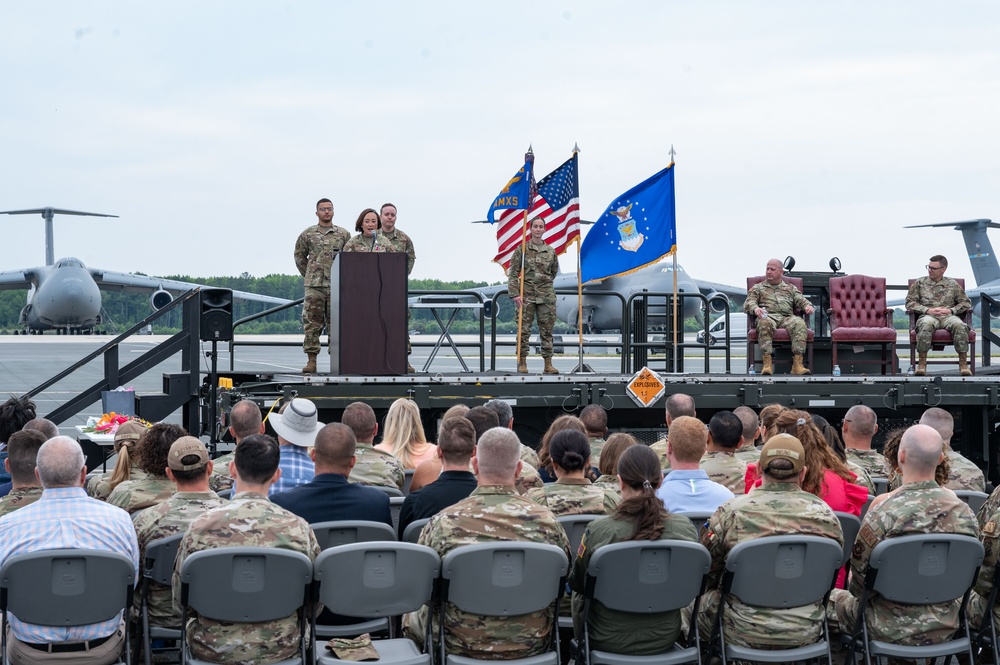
(65, 295)
(985, 267)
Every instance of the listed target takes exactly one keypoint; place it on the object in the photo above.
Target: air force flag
(639, 228)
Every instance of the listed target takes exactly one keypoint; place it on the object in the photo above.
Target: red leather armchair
(780, 338)
(859, 316)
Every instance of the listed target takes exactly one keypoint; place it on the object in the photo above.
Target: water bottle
(764, 310)
(836, 370)
(753, 369)
(911, 371)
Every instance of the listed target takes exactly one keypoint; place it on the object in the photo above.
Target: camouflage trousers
(315, 317)
(795, 326)
(546, 315)
(757, 628)
(927, 324)
(923, 625)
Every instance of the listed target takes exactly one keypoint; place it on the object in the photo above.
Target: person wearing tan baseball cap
(782, 459)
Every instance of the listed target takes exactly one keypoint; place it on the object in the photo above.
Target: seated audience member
(544, 458)
(779, 507)
(639, 516)
(189, 468)
(404, 434)
(572, 493)
(22, 450)
(493, 512)
(989, 529)
(248, 520)
(616, 444)
(156, 487)
(725, 434)
(687, 487)
(748, 452)
(964, 474)
(66, 518)
(244, 419)
(767, 417)
(595, 420)
(677, 405)
(858, 429)
(920, 505)
(296, 426)
(373, 467)
(15, 413)
(329, 496)
(428, 471)
(43, 426)
(505, 415)
(891, 452)
(456, 444)
(835, 444)
(127, 438)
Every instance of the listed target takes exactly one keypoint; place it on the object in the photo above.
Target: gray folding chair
(574, 526)
(343, 532)
(851, 526)
(66, 588)
(157, 568)
(246, 585)
(698, 519)
(407, 479)
(778, 572)
(975, 500)
(395, 506)
(646, 577)
(868, 503)
(503, 579)
(411, 534)
(379, 580)
(922, 569)
(881, 485)
(391, 491)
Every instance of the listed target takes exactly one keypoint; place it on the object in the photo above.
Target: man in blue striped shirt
(66, 518)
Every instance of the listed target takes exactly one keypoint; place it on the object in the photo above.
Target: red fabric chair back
(858, 301)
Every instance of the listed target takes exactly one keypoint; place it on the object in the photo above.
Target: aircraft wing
(732, 291)
(119, 281)
(18, 279)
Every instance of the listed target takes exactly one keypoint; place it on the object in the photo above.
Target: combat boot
(522, 365)
(963, 364)
(798, 369)
(549, 369)
(310, 367)
(768, 368)
(921, 365)
(409, 368)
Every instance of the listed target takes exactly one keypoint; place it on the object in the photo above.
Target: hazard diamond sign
(646, 387)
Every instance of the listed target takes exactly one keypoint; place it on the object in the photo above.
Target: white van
(717, 331)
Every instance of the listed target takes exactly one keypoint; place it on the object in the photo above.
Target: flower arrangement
(109, 423)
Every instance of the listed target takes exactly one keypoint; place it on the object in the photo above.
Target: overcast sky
(803, 128)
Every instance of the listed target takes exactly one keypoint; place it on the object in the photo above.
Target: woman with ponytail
(639, 516)
(126, 442)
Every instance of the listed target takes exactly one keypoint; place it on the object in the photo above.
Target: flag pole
(672, 154)
(580, 366)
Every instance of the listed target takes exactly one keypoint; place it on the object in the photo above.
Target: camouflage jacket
(925, 293)
(773, 509)
(575, 496)
(221, 480)
(726, 469)
(747, 453)
(99, 487)
(920, 507)
(660, 448)
(248, 520)
(871, 461)
(377, 468)
(780, 300)
(610, 481)
(861, 476)
(540, 269)
(19, 498)
(964, 474)
(528, 479)
(160, 521)
(529, 456)
(363, 243)
(134, 495)
(314, 251)
(991, 506)
(990, 536)
(397, 241)
(490, 514)
(596, 446)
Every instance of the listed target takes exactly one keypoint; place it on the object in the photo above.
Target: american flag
(557, 202)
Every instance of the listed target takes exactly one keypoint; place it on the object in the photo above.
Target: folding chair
(343, 532)
(881, 485)
(246, 585)
(503, 579)
(157, 568)
(986, 637)
(851, 526)
(574, 526)
(699, 520)
(380, 580)
(646, 577)
(975, 500)
(407, 479)
(411, 534)
(67, 588)
(778, 572)
(391, 491)
(395, 507)
(922, 569)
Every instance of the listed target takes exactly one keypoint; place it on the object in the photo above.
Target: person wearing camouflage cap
(779, 507)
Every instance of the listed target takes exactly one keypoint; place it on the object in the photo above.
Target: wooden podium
(368, 314)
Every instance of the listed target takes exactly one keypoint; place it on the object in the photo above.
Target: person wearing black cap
(778, 507)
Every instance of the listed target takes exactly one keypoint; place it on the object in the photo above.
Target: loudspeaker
(216, 315)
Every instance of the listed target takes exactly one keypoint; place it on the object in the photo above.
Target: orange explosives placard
(646, 387)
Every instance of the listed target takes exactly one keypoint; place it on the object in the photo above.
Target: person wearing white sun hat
(296, 426)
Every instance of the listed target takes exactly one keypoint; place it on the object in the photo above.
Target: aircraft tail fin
(47, 214)
(985, 267)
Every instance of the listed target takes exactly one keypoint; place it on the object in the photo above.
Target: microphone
(374, 232)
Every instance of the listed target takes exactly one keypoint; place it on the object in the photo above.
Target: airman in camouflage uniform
(539, 301)
(724, 468)
(939, 302)
(19, 498)
(778, 507)
(493, 512)
(528, 479)
(747, 453)
(862, 477)
(221, 480)
(377, 468)
(780, 299)
(136, 495)
(991, 506)
(575, 496)
(529, 456)
(363, 243)
(398, 242)
(99, 487)
(660, 448)
(964, 474)
(990, 536)
(314, 252)
(871, 461)
(920, 505)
